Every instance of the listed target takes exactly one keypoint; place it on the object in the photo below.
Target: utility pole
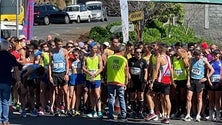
(17, 13)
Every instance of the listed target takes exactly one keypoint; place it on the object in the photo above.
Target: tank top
(110, 52)
(164, 73)
(16, 54)
(116, 65)
(197, 69)
(77, 64)
(179, 69)
(215, 77)
(147, 58)
(45, 60)
(59, 62)
(92, 66)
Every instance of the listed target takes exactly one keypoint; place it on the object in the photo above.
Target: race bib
(195, 71)
(58, 65)
(178, 72)
(215, 78)
(76, 65)
(135, 71)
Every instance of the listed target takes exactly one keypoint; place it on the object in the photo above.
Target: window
(75, 8)
(83, 8)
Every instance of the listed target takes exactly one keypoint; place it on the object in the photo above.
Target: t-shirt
(136, 67)
(7, 62)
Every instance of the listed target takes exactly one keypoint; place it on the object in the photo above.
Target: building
(205, 19)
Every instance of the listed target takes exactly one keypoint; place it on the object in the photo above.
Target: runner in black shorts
(138, 72)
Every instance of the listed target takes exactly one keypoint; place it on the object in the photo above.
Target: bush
(99, 34)
(154, 31)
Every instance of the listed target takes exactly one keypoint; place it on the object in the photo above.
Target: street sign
(135, 16)
(116, 29)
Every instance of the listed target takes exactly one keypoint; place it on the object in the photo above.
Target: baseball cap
(204, 45)
(21, 37)
(81, 44)
(93, 43)
(106, 44)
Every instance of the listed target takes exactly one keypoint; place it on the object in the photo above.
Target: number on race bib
(178, 72)
(195, 71)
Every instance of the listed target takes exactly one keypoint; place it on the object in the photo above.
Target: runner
(29, 75)
(195, 82)
(163, 65)
(152, 94)
(76, 83)
(59, 75)
(214, 87)
(93, 66)
(180, 69)
(138, 72)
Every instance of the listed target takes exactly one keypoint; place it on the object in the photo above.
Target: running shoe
(165, 121)
(94, 114)
(132, 114)
(77, 113)
(198, 117)
(140, 115)
(23, 113)
(34, 113)
(188, 118)
(100, 115)
(151, 117)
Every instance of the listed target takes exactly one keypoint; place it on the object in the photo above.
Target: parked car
(98, 10)
(47, 13)
(78, 13)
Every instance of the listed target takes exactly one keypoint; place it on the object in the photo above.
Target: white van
(98, 10)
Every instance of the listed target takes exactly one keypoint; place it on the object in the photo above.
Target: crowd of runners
(154, 81)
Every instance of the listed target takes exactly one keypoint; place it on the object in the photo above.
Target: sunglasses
(70, 46)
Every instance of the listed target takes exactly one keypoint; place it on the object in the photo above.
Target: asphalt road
(62, 120)
(41, 31)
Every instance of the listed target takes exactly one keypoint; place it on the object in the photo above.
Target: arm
(84, 68)
(67, 61)
(211, 69)
(150, 69)
(100, 66)
(145, 71)
(126, 74)
(188, 74)
(50, 67)
(104, 57)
